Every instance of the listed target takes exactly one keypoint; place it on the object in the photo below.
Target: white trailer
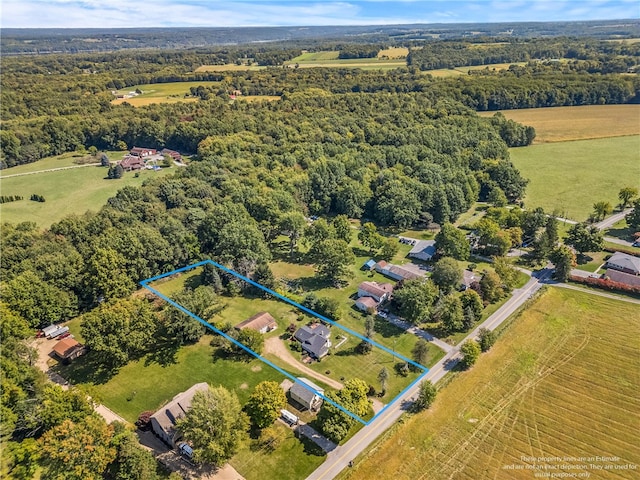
(46, 331)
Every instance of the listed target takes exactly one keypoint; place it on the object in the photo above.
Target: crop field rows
(565, 387)
(345, 360)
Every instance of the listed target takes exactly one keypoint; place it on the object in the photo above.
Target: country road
(339, 459)
(609, 221)
(49, 170)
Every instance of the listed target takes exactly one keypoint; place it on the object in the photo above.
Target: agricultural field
(229, 67)
(569, 177)
(394, 53)
(330, 59)
(69, 191)
(560, 124)
(457, 71)
(161, 93)
(557, 384)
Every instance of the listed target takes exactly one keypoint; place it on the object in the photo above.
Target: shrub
(606, 284)
(144, 420)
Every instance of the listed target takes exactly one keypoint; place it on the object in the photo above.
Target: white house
(423, 250)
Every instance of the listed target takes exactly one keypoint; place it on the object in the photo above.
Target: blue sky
(231, 13)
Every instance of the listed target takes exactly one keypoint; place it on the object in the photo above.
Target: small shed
(369, 265)
(366, 303)
(46, 331)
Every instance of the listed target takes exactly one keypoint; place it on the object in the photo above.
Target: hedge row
(606, 284)
(9, 198)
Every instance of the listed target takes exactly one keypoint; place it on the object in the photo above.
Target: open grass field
(171, 92)
(65, 191)
(457, 71)
(559, 124)
(561, 382)
(571, 176)
(58, 161)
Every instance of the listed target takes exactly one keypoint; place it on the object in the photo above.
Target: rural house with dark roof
(314, 339)
(624, 262)
(163, 422)
(380, 292)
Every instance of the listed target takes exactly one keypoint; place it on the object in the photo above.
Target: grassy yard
(561, 381)
(65, 191)
(58, 161)
(621, 230)
(152, 381)
(560, 124)
(570, 176)
(294, 458)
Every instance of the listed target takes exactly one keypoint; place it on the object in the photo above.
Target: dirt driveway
(277, 347)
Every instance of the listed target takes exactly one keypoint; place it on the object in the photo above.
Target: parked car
(636, 243)
(65, 335)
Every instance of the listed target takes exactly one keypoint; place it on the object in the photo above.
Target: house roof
(427, 247)
(468, 277)
(626, 261)
(382, 264)
(301, 389)
(368, 302)
(257, 322)
(622, 277)
(314, 338)
(370, 263)
(404, 272)
(131, 160)
(177, 407)
(65, 347)
(375, 288)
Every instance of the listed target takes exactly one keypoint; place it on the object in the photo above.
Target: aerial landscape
(288, 240)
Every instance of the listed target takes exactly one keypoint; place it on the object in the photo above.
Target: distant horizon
(120, 14)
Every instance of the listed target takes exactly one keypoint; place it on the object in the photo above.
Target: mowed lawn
(571, 176)
(559, 124)
(561, 382)
(65, 191)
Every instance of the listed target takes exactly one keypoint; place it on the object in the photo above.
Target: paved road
(609, 221)
(619, 241)
(410, 328)
(339, 459)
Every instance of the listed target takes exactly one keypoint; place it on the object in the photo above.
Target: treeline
(10, 198)
(65, 113)
(359, 51)
(450, 54)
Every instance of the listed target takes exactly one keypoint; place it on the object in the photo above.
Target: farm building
(622, 277)
(261, 322)
(314, 339)
(306, 393)
(68, 349)
(624, 262)
(132, 162)
(164, 420)
(142, 152)
(408, 271)
(172, 153)
(423, 250)
(366, 303)
(380, 292)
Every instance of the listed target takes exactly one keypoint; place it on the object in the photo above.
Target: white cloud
(228, 13)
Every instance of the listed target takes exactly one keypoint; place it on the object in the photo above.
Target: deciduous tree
(426, 396)
(447, 274)
(334, 261)
(470, 353)
(585, 238)
(627, 194)
(415, 299)
(452, 242)
(215, 425)
(265, 403)
(486, 339)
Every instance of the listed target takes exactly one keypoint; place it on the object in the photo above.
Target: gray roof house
(423, 250)
(624, 262)
(314, 339)
(306, 393)
(622, 277)
(163, 422)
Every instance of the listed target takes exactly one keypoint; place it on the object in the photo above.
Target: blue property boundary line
(145, 284)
